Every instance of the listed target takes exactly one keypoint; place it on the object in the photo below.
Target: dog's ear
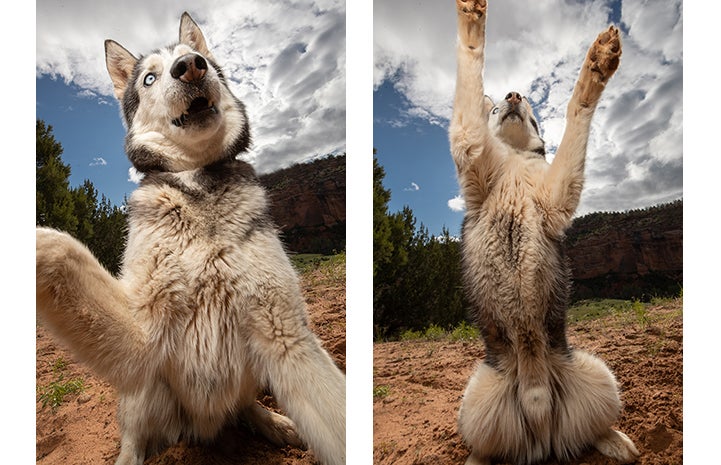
(191, 35)
(120, 64)
(487, 105)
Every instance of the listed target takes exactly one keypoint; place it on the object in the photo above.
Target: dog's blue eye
(495, 110)
(149, 79)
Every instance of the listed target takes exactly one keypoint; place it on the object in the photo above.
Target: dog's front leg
(288, 357)
(564, 179)
(84, 306)
(468, 126)
(468, 132)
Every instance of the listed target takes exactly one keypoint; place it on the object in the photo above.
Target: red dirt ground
(84, 429)
(415, 423)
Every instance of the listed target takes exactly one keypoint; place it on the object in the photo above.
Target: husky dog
(534, 397)
(208, 309)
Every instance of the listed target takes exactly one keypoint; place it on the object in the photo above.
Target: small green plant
(54, 393)
(411, 335)
(59, 365)
(379, 392)
(639, 310)
(464, 332)
(434, 333)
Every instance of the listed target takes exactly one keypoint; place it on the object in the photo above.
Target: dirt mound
(83, 430)
(418, 388)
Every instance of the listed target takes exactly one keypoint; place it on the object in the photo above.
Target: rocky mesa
(635, 254)
(308, 204)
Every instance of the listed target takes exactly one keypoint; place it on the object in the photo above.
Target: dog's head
(176, 106)
(513, 122)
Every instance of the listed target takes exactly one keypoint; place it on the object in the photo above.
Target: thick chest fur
(201, 255)
(515, 272)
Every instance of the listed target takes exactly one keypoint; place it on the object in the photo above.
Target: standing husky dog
(208, 310)
(534, 397)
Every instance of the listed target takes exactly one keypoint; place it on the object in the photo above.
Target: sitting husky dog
(208, 310)
(534, 397)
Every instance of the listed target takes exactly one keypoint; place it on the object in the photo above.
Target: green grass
(462, 332)
(379, 392)
(593, 309)
(321, 269)
(53, 394)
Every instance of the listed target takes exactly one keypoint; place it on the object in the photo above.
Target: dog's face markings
(176, 104)
(513, 122)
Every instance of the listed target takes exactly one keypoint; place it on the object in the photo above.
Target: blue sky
(91, 133)
(635, 155)
(285, 60)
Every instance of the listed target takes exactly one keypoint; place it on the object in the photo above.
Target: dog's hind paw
(276, 428)
(618, 446)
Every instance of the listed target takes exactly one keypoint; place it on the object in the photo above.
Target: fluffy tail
(83, 305)
(535, 395)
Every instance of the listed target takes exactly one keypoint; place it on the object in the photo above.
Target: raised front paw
(602, 61)
(604, 55)
(471, 22)
(473, 9)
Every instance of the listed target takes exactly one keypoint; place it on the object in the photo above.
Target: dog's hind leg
(278, 429)
(618, 446)
(589, 405)
(473, 459)
(301, 375)
(149, 421)
(87, 309)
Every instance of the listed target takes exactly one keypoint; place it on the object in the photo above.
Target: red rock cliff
(308, 205)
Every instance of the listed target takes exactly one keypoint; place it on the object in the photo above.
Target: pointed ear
(120, 64)
(191, 35)
(487, 105)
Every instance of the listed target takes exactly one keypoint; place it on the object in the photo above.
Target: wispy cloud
(412, 188)
(98, 161)
(635, 149)
(285, 60)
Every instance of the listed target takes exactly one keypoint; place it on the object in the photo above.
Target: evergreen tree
(54, 205)
(99, 225)
(382, 246)
(417, 277)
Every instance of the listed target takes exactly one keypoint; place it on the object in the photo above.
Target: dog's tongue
(198, 104)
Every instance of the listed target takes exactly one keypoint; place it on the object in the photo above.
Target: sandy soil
(418, 388)
(84, 430)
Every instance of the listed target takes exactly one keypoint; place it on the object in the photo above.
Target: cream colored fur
(207, 311)
(534, 397)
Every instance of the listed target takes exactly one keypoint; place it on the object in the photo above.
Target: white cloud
(98, 161)
(413, 187)
(638, 122)
(284, 60)
(457, 203)
(134, 175)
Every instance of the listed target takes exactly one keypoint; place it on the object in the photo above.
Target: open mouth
(199, 108)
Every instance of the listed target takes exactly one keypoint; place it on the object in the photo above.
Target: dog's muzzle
(191, 69)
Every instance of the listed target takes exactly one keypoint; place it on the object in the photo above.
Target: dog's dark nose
(189, 68)
(514, 97)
